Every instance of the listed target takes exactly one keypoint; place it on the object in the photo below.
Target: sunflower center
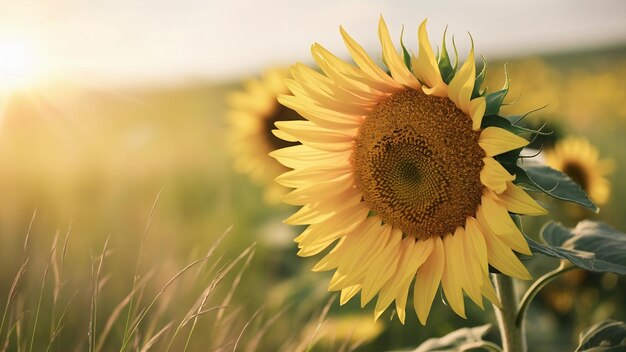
(281, 113)
(577, 174)
(417, 162)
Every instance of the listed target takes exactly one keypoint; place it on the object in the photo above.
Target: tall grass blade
(138, 264)
(43, 284)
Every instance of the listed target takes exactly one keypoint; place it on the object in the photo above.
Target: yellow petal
(333, 258)
(515, 240)
(300, 156)
(401, 298)
(359, 259)
(302, 177)
(420, 253)
(348, 293)
(339, 223)
(318, 137)
(346, 75)
(494, 175)
(496, 141)
(461, 86)
(474, 237)
(362, 59)
(477, 111)
(284, 136)
(389, 290)
(307, 215)
(502, 258)
(470, 263)
(315, 248)
(382, 268)
(412, 254)
(347, 104)
(453, 272)
(318, 85)
(493, 214)
(489, 292)
(320, 191)
(396, 65)
(323, 117)
(427, 280)
(518, 201)
(425, 66)
(323, 234)
(350, 247)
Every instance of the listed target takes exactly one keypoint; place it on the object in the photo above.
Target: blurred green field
(88, 165)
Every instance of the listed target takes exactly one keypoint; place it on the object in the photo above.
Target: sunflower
(253, 113)
(577, 158)
(396, 171)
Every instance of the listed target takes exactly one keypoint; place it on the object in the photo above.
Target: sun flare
(20, 63)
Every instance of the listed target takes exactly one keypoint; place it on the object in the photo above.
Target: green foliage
(579, 259)
(480, 78)
(607, 336)
(406, 56)
(495, 99)
(446, 68)
(590, 245)
(538, 177)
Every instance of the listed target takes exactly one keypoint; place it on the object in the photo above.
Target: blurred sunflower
(396, 167)
(351, 330)
(577, 158)
(253, 113)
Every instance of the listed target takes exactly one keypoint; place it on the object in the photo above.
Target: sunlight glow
(20, 64)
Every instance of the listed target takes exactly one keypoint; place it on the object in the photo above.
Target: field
(124, 226)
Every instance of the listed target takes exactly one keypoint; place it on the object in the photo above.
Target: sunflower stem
(513, 336)
(537, 286)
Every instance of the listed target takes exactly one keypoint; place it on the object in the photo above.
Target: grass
(144, 328)
(196, 308)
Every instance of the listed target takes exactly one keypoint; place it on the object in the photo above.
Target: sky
(106, 42)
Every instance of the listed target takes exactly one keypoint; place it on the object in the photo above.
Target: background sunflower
(580, 160)
(254, 110)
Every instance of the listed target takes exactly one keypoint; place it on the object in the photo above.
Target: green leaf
(495, 99)
(457, 340)
(505, 123)
(591, 245)
(405, 53)
(480, 78)
(609, 335)
(580, 259)
(551, 182)
(446, 68)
